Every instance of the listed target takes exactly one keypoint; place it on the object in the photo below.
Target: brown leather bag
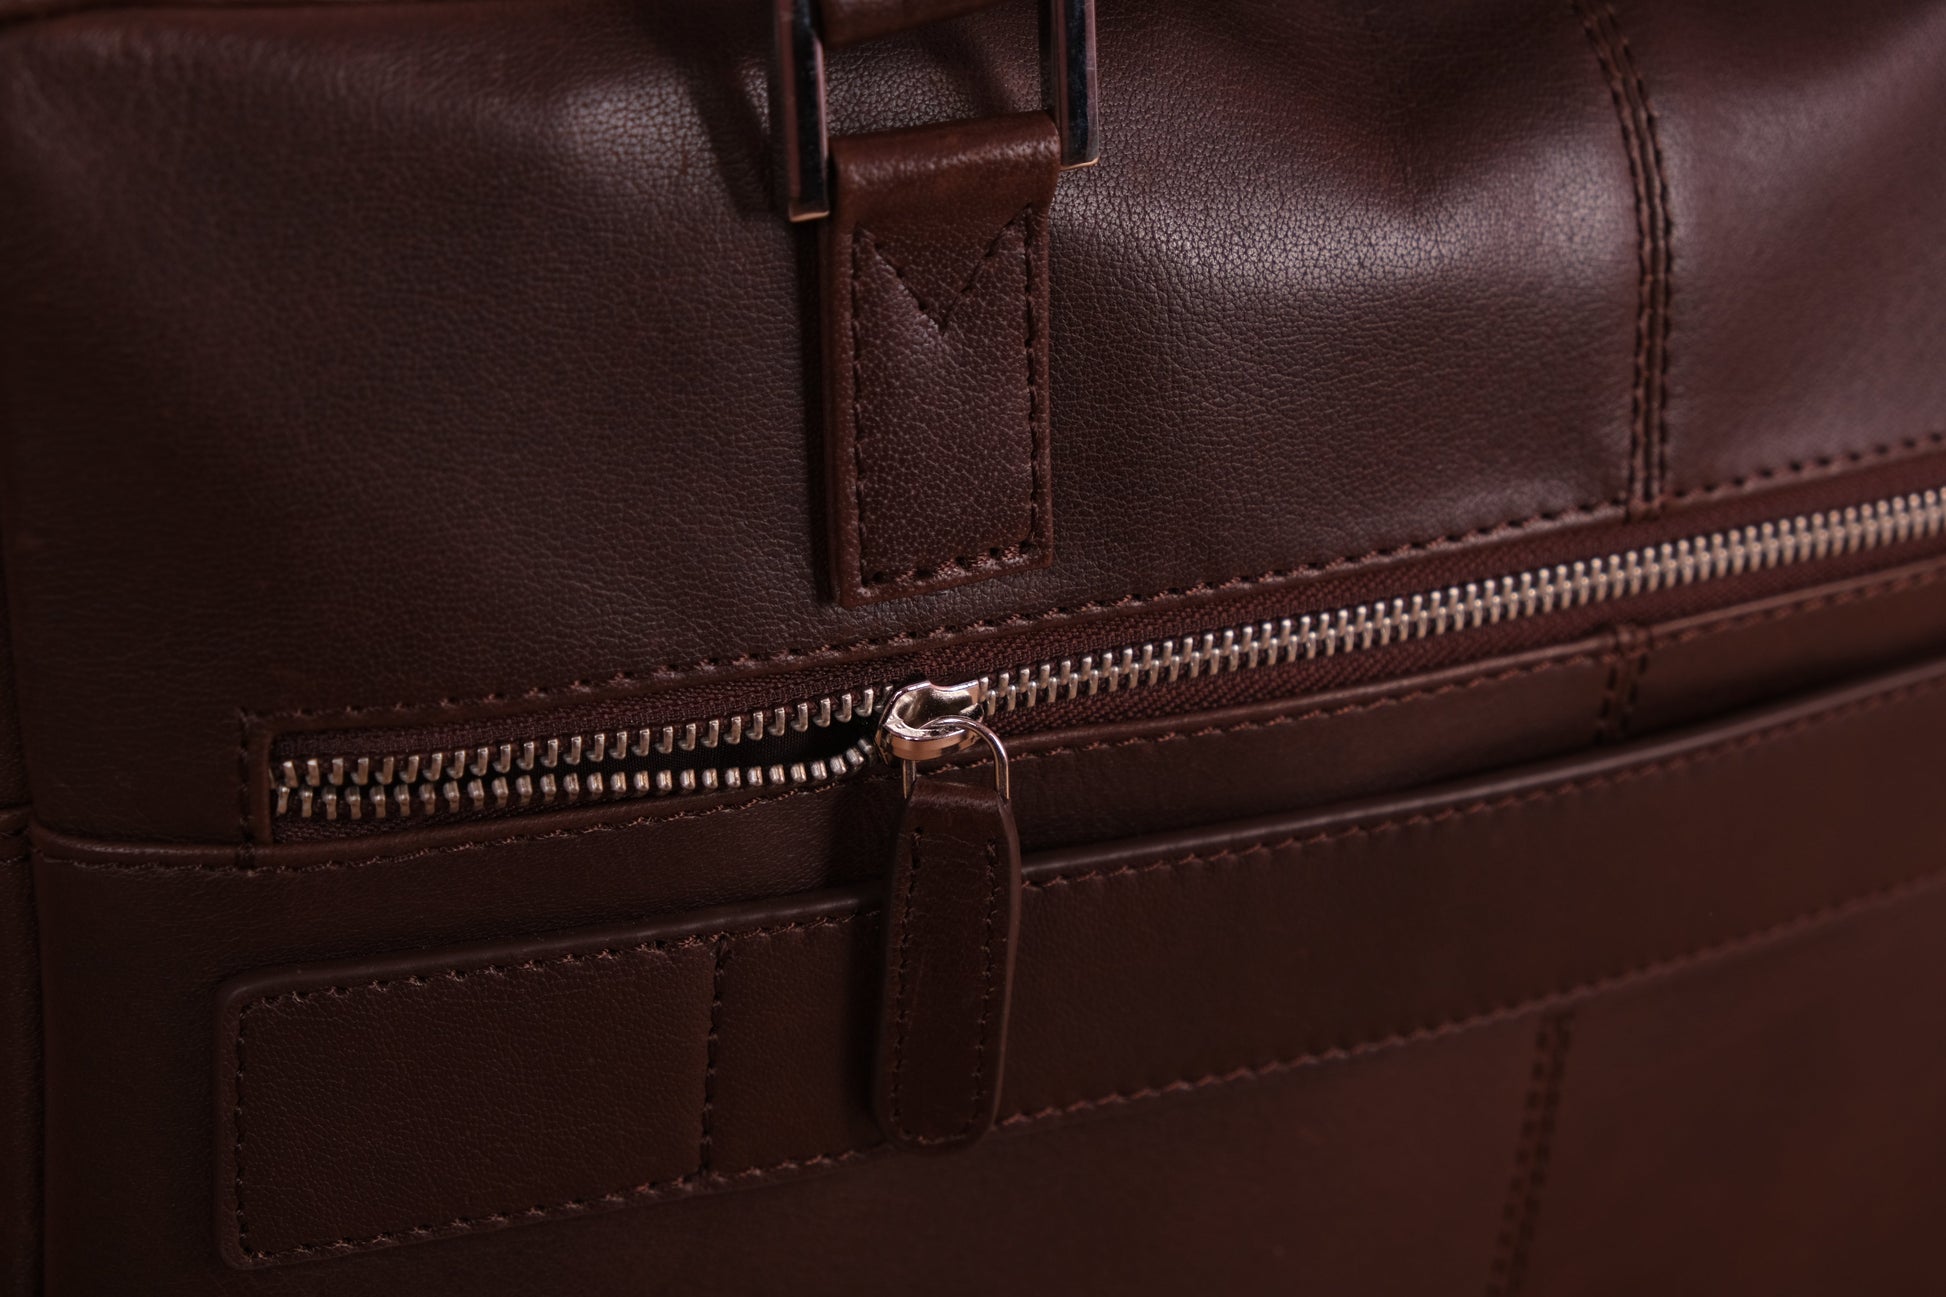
(1348, 700)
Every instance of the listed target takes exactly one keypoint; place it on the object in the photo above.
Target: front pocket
(1148, 971)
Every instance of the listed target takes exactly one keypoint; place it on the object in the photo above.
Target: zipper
(835, 735)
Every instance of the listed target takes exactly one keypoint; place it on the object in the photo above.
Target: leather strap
(846, 22)
(936, 345)
(952, 919)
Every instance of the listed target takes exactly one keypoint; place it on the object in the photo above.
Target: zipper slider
(952, 916)
(925, 721)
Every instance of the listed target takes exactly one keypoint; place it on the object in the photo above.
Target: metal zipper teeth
(571, 769)
(551, 772)
(1516, 596)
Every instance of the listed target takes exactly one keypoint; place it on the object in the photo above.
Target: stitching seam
(1250, 1072)
(1025, 544)
(1024, 758)
(1509, 801)
(1637, 389)
(1641, 140)
(980, 1033)
(677, 672)
(1423, 1034)
(704, 1149)
(903, 1017)
(1531, 1155)
(702, 1176)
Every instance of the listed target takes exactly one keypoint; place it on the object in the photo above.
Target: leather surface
(365, 360)
(1785, 158)
(846, 22)
(935, 327)
(436, 1064)
(581, 451)
(20, 1065)
(1151, 973)
(1796, 1168)
(511, 203)
(951, 922)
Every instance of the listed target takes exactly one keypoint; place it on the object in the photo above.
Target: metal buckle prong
(802, 134)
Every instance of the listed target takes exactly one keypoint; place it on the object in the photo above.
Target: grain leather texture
(846, 22)
(1288, 373)
(509, 273)
(365, 362)
(1150, 972)
(951, 921)
(936, 334)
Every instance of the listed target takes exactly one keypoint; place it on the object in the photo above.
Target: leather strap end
(935, 319)
(952, 922)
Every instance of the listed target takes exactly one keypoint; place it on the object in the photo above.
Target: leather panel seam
(245, 863)
(1440, 1029)
(1511, 803)
(902, 1015)
(1531, 1155)
(621, 681)
(1902, 584)
(1576, 787)
(704, 1175)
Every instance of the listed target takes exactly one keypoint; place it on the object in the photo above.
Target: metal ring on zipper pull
(939, 735)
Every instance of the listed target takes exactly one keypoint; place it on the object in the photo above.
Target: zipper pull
(952, 916)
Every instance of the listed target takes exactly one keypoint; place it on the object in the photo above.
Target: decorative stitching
(1641, 141)
(902, 1014)
(1441, 1029)
(703, 1145)
(1024, 758)
(236, 1143)
(1658, 484)
(1436, 1030)
(941, 314)
(1306, 713)
(978, 1085)
(679, 672)
(459, 973)
(1024, 545)
(857, 411)
(1575, 993)
(1630, 658)
(1604, 715)
(1531, 1155)
(250, 867)
(1897, 585)
(1637, 392)
(981, 1032)
(1034, 226)
(1817, 466)
(1508, 801)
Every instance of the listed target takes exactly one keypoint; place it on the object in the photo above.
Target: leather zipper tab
(952, 920)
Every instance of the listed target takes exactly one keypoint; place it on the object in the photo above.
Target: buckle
(797, 97)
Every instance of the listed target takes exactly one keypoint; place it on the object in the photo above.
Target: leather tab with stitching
(935, 291)
(952, 919)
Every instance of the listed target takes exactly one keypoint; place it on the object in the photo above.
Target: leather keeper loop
(936, 355)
